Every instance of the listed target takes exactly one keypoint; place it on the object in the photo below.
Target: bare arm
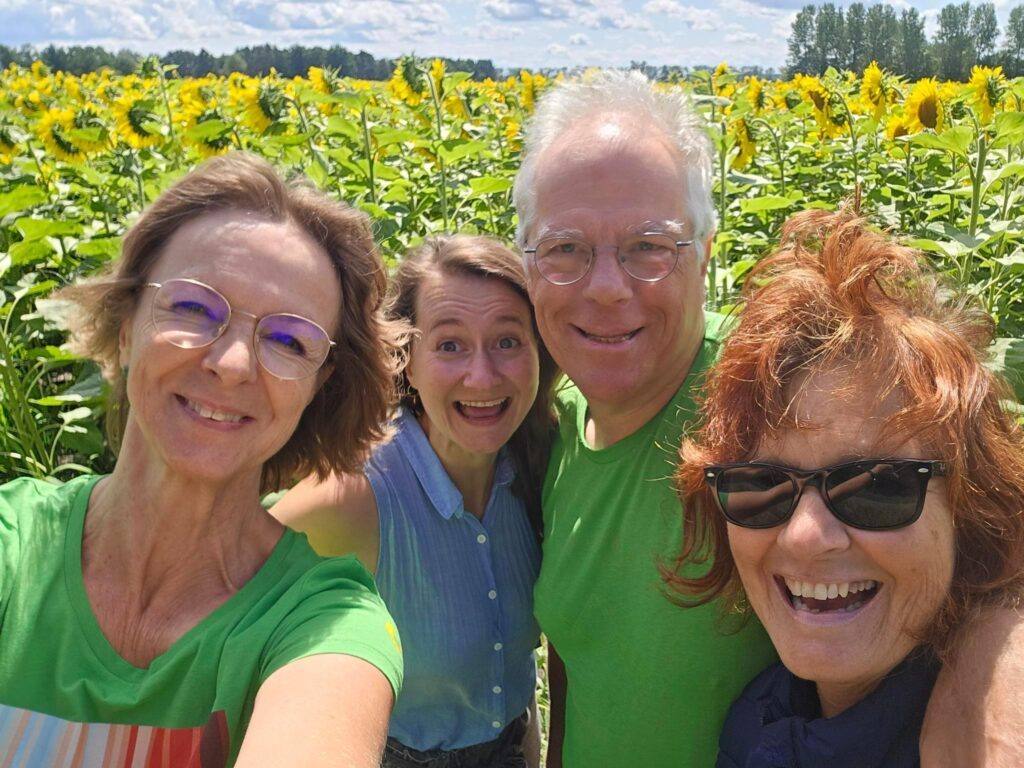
(322, 711)
(339, 515)
(976, 711)
(557, 685)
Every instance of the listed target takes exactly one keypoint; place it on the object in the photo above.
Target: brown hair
(480, 256)
(344, 419)
(836, 293)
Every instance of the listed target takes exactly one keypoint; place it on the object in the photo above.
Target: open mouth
(208, 413)
(608, 339)
(482, 409)
(824, 597)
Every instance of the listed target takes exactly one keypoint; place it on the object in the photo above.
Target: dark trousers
(504, 752)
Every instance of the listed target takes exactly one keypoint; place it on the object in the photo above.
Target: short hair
(612, 93)
(485, 257)
(836, 294)
(345, 418)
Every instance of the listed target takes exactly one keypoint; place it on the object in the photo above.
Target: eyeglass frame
(593, 252)
(801, 478)
(257, 319)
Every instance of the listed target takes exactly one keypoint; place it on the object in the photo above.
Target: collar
(439, 488)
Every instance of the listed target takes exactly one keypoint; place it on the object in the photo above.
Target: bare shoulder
(339, 515)
(976, 712)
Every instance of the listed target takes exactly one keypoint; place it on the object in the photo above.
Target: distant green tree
(857, 53)
(914, 62)
(984, 31)
(953, 44)
(830, 37)
(883, 37)
(803, 57)
(1012, 54)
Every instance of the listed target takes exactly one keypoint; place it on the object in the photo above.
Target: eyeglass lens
(869, 494)
(190, 314)
(648, 257)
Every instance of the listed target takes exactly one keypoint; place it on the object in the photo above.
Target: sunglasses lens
(877, 495)
(291, 347)
(755, 497)
(189, 315)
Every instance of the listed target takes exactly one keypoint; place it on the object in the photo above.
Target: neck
(471, 473)
(837, 698)
(608, 423)
(158, 528)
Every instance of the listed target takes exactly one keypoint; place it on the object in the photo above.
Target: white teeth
(206, 413)
(482, 403)
(821, 591)
(610, 339)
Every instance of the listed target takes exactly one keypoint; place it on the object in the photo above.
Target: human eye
(448, 345)
(193, 310)
(509, 342)
(285, 343)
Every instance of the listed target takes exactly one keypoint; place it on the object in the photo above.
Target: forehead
(835, 414)
(605, 179)
(468, 299)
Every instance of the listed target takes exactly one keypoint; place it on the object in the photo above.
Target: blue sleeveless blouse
(461, 592)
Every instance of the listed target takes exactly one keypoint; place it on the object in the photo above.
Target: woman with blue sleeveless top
(446, 514)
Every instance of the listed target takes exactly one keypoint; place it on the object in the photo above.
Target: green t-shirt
(68, 698)
(649, 682)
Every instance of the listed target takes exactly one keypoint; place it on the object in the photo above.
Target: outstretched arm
(975, 716)
(326, 711)
(339, 515)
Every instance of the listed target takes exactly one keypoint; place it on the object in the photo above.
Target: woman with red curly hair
(858, 484)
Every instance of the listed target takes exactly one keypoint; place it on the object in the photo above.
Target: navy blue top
(777, 722)
(461, 592)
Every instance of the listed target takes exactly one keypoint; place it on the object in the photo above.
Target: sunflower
(529, 90)
(815, 92)
(874, 93)
(403, 82)
(924, 107)
(8, 143)
(264, 103)
(988, 88)
(437, 77)
(53, 130)
(757, 97)
(136, 120)
(898, 125)
(745, 140)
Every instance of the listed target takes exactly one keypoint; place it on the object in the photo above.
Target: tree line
(827, 36)
(252, 60)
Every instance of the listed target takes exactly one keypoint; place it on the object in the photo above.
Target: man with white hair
(615, 222)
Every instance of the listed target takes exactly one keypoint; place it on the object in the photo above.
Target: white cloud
(557, 51)
(579, 39)
(489, 31)
(742, 37)
(695, 18)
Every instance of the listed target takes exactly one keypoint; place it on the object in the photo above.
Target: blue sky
(511, 33)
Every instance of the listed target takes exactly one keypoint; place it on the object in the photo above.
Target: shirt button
(496, 689)
(498, 646)
(481, 539)
(492, 594)
(495, 724)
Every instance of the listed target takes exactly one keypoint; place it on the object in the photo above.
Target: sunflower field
(432, 151)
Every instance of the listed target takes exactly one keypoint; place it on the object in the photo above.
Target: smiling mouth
(834, 597)
(482, 409)
(608, 339)
(207, 413)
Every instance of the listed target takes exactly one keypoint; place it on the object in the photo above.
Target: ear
(707, 255)
(124, 343)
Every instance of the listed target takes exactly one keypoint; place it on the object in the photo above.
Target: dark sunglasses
(873, 494)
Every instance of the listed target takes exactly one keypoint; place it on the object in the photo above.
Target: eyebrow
(669, 226)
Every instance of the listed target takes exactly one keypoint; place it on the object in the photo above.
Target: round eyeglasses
(648, 257)
(190, 314)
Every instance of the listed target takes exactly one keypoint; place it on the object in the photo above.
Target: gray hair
(604, 92)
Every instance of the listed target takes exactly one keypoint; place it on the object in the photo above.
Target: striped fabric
(32, 740)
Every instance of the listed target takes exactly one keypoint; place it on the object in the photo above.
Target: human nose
(607, 282)
(482, 372)
(812, 529)
(232, 355)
